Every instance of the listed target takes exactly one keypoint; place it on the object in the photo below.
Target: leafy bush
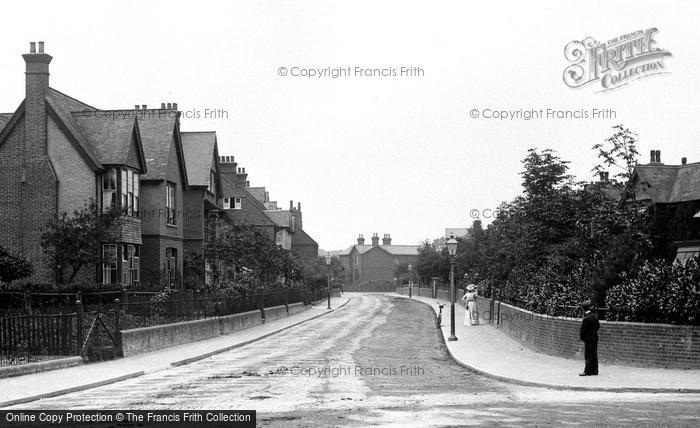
(660, 293)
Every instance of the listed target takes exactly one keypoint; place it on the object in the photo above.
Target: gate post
(117, 330)
(79, 323)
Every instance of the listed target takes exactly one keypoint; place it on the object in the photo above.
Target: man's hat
(585, 306)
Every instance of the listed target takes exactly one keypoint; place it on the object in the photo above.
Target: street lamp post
(410, 282)
(328, 264)
(452, 250)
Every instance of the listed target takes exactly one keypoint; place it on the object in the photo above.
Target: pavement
(490, 352)
(31, 387)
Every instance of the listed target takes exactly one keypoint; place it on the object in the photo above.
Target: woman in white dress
(471, 316)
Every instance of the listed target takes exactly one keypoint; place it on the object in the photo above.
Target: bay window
(108, 197)
(109, 264)
(170, 203)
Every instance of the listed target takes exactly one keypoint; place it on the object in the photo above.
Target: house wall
(76, 180)
(11, 190)
(157, 235)
(377, 265)
(27, 200)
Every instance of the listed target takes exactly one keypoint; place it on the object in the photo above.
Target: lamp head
(452, 246)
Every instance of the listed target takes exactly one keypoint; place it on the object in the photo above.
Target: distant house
(376, 262)
(252, 205)
(673, 192)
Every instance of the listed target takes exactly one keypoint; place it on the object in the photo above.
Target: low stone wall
(381, 287)
(295, 308)
(140, 340)
(626, 343)
(23, 369)
(428, 292)
(275, 313)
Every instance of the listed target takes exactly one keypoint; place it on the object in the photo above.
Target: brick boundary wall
(624, 343)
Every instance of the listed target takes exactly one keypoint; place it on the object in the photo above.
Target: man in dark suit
(589, 336)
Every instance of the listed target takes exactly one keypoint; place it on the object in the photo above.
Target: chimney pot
(41, 47)
(652, 156)
(291, 205)
(136, 106)
(299, 206)
(162, 106)
(144, 106)
(174, 106)
(32, 47)
(684, 160)
(658, 156)
(169, 106)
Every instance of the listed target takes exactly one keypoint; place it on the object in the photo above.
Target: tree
(13, 267)
(74, 241)
(619, 151)
(244, 250)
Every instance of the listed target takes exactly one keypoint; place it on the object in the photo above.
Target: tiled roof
(394, 250)
(258, 193)
(109, 135)
(4, 118)
(363, 248)
(157, 128)
(300, 237)
(280, 217)
(198, 148)
(668, 183)
(345, 252)
(64, 106)
(400, 250)
(67, 102)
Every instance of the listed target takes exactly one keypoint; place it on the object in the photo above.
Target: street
(378, 360)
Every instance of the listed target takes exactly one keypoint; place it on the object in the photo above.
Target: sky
(370, 153)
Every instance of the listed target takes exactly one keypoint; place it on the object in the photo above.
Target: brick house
(162, 192)
(203, 201)
(376, 262)
(252, 205)
(673, 192)
(57, 153)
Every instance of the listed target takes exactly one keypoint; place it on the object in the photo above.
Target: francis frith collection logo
(615, 63)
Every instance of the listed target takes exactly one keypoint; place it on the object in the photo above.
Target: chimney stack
(658, 156)
(291, 206)
(387, 239)
(375, 240)
(604, 176)
(655, 156)
(684, 161)
(36, 88)
(360, 240)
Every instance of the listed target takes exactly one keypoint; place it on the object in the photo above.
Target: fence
(90, 324)
(33, 338)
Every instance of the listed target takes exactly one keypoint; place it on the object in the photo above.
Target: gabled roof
(667, 183)
(110, 135)
(361, 248)
(258, 193)
(344, 252)
(158, 128)
(279, 217)
(300, 237)
(199, 148)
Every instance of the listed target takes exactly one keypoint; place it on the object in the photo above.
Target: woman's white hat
(471, 287)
